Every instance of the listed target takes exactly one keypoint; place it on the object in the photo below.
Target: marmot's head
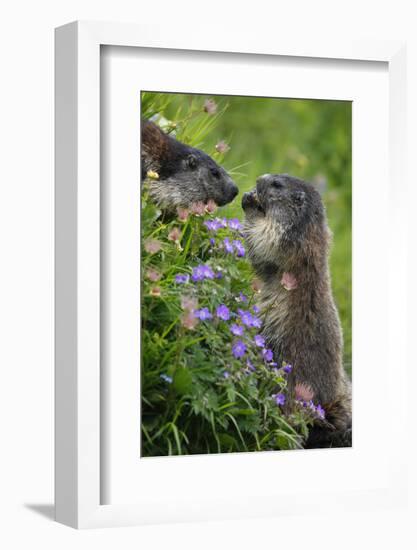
(285, 223)
(185, 175)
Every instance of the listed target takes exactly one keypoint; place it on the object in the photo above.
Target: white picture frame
(78, 294)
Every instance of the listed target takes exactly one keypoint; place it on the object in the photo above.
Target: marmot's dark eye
(299, 197)
(192, 161)
(276, 184)
(215, 172)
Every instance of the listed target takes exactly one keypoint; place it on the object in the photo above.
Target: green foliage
(198, 396)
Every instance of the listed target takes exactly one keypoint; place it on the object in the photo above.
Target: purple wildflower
(259, 341)
(245, 317)
(212, 242)
(203, 314)
(166, 378)
(228, 246)
(213, 225)
(208, 272)
(279, 399)
(287, 369)
(202, 272)
(237, 330)
(198, 274)
(256, 322)
(248, 319)
(209, 224)
(226, 374)
(311, 405)
(256, 309)
(240, 249)
(267, 354)
(182, 279)
(234, 224)
(239, 349)
(242, 297)
(320, 411)
(223, 312)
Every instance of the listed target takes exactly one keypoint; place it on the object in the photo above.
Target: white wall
(26, 266)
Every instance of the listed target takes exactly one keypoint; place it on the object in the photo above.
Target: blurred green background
(310, 139)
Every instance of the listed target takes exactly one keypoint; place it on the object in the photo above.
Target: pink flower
(174, 234)
(288, 281)
(153, 275)
(183, 214)
(188, 320)
(303, 392)
(211, 206)
(152, 246)
(198, 208)
(189, 303)
(256, 285)
(210, 106)
(155, 291)
(222, 147)
(279, 398)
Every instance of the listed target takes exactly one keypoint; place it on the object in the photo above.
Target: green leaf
(227, 442)
(183, 381)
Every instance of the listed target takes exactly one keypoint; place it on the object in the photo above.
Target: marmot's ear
(154, 141)
(192, 161)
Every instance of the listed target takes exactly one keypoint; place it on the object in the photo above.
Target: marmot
(288, 240)
(183, 175)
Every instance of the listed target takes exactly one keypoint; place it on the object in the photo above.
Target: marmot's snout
(230, 191)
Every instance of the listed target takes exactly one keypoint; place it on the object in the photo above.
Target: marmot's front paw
(250, 200)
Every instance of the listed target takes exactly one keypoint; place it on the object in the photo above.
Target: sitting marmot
(183, 175)
(288, 242)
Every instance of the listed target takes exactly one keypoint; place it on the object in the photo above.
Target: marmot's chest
(275, 306)
(289, 321)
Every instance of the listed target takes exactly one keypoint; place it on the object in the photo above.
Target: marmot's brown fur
(288, 242)
(183, 175)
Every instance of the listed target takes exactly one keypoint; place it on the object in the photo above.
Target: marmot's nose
(231, 190)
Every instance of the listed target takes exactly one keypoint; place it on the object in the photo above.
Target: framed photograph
(228, 219)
